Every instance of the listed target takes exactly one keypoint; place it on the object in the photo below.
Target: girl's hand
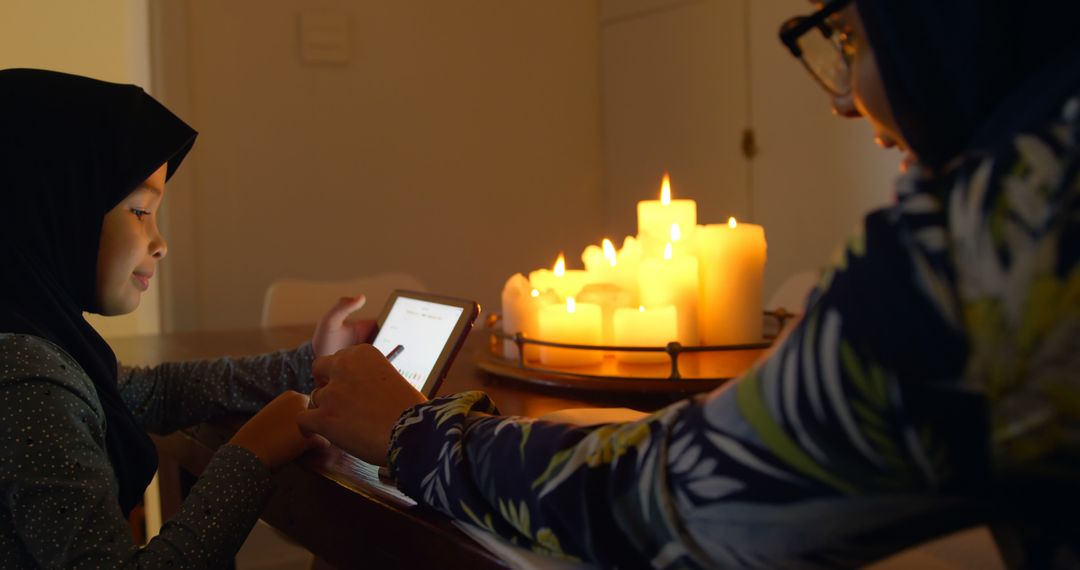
(273, 434)
(361, 396)
(333, 333)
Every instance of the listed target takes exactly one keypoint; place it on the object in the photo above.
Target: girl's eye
(140, 213)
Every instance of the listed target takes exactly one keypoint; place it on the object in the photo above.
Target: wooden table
(330, 502)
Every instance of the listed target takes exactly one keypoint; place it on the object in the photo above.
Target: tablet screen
(422, 328)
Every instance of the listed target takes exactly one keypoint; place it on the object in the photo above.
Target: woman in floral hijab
(933, 383)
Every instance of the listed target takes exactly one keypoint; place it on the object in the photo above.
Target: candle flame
(641, 308)
(665, 190)
(609, 251)
(560, 265)
(571, 305)
(731, 222)
(676, 233)
(535, 293)
(667, 251)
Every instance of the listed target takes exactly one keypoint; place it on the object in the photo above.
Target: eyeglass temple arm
(793, 29)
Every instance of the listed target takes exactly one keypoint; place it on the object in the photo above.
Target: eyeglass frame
(795, 28)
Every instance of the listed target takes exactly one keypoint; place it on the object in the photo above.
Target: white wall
(465, 141)
(107, 40)
(461, 143)
(674, 100)
(683, 78)
(817, 174)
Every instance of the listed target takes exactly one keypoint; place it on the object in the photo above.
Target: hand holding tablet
(432, 327)
(365, 388)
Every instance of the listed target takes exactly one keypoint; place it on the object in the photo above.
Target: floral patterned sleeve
(937, 355)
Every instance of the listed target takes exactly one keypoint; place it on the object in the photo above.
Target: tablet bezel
(470, 311)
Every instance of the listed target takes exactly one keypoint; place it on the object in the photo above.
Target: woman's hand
(360, 398)
(273, 434)
(333, 333)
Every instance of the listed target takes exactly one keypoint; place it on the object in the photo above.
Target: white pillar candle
(629, 261)
(518, 312)
(655, 217)
(732, 267)
(644, 327)
(606, 265)
(609, 298)
(565, 282)
(570, 323)
(673, 280)
(520, 308)
(601, 262)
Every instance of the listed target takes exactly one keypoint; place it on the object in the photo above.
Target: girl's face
(867, 98)
(130, 247)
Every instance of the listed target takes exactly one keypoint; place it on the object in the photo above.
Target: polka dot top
(58, 489)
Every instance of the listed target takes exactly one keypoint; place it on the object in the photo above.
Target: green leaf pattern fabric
(937, 363)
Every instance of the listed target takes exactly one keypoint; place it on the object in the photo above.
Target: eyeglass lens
(824, 58)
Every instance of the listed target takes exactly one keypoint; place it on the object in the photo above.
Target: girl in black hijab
(83, 166)
(71, 150)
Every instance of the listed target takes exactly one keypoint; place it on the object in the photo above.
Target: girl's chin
(120, 307)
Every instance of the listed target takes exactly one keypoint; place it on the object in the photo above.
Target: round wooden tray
(698, 372)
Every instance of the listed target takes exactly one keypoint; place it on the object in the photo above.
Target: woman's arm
(857, 423)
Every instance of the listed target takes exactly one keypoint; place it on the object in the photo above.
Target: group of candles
(674, 281)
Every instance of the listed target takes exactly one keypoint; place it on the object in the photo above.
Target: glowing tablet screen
(422, 328)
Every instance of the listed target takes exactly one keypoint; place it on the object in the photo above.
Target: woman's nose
(844, 106)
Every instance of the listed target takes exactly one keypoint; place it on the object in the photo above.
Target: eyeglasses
(820, 47)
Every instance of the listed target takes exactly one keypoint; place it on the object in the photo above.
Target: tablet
(421, 333)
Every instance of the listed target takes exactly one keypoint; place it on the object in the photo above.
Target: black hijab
(71, 148)
(968, 74)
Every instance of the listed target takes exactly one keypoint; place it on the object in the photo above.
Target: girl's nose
(158, 248)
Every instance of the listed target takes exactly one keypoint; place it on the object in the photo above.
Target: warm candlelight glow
(699, 285)
(609, 251)
(574, 323)
(655, 327)
(732, 263)
(656, 216)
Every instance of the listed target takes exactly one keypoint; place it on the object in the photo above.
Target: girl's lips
(142, 280)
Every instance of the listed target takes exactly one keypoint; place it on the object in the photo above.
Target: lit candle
(609, 298)
(570, 323)
(655, 217)
(520, 307)
(732, 267)
(565, 282)
(673, 280)
(629, 262)
(644, 327)
(619, 268)
(601, 262)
